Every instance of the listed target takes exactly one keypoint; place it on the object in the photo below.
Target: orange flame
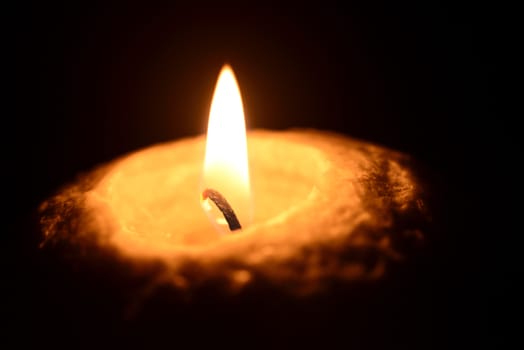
(226, 168)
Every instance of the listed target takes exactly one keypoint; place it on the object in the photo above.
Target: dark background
(100, 80)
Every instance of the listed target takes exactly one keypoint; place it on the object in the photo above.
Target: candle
(312, 207)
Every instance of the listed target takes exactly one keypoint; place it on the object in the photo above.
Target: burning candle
(292, 208)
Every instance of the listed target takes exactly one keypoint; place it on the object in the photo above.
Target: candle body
(325, 205)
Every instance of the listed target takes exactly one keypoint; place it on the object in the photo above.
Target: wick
(224, 207)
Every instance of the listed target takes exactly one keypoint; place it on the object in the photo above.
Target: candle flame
(226, 168)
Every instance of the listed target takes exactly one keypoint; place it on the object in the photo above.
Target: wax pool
(326, 207)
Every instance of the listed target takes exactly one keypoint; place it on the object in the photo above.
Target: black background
(100, 80)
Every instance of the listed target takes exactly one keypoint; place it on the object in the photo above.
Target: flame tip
(227, 68)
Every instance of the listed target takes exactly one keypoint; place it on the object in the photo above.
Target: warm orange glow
(226, 167)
